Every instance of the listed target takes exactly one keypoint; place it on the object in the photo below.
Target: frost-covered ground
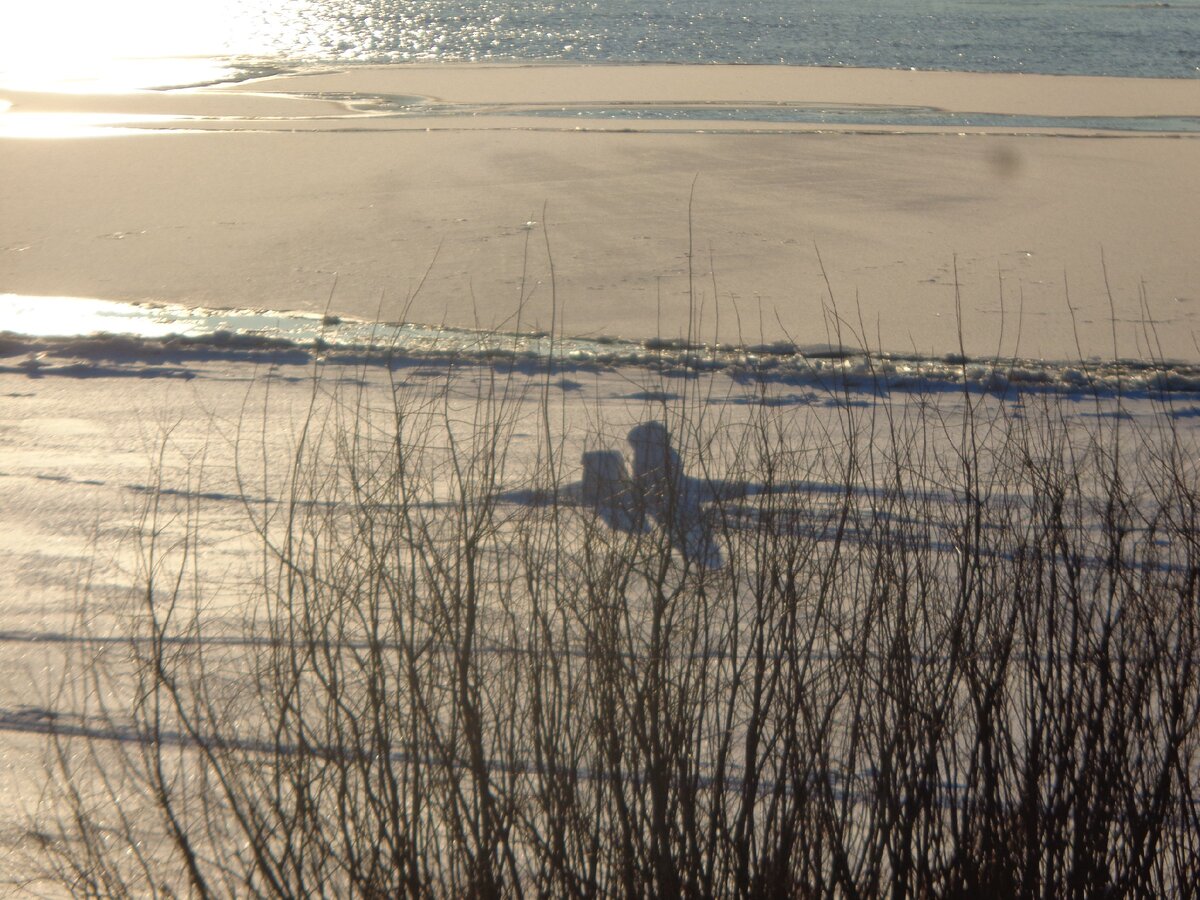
(108, 444)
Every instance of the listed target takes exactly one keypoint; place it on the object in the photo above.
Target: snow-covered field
(281, 499)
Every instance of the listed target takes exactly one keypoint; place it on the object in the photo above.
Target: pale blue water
(1049, 36)
(129, 43)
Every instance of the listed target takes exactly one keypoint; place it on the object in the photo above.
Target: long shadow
(657, 491)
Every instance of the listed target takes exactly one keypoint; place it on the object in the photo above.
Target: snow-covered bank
(158, 340)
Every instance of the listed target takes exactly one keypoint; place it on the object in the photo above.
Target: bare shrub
(933, 649)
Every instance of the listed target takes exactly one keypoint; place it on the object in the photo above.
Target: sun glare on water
(83, 46)
(46, 317)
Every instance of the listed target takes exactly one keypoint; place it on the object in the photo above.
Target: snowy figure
(672, 498)
(607, 489)
(657, 490)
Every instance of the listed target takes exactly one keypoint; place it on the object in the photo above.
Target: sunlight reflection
(79, 125)
(83, 46)
(71, 316)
